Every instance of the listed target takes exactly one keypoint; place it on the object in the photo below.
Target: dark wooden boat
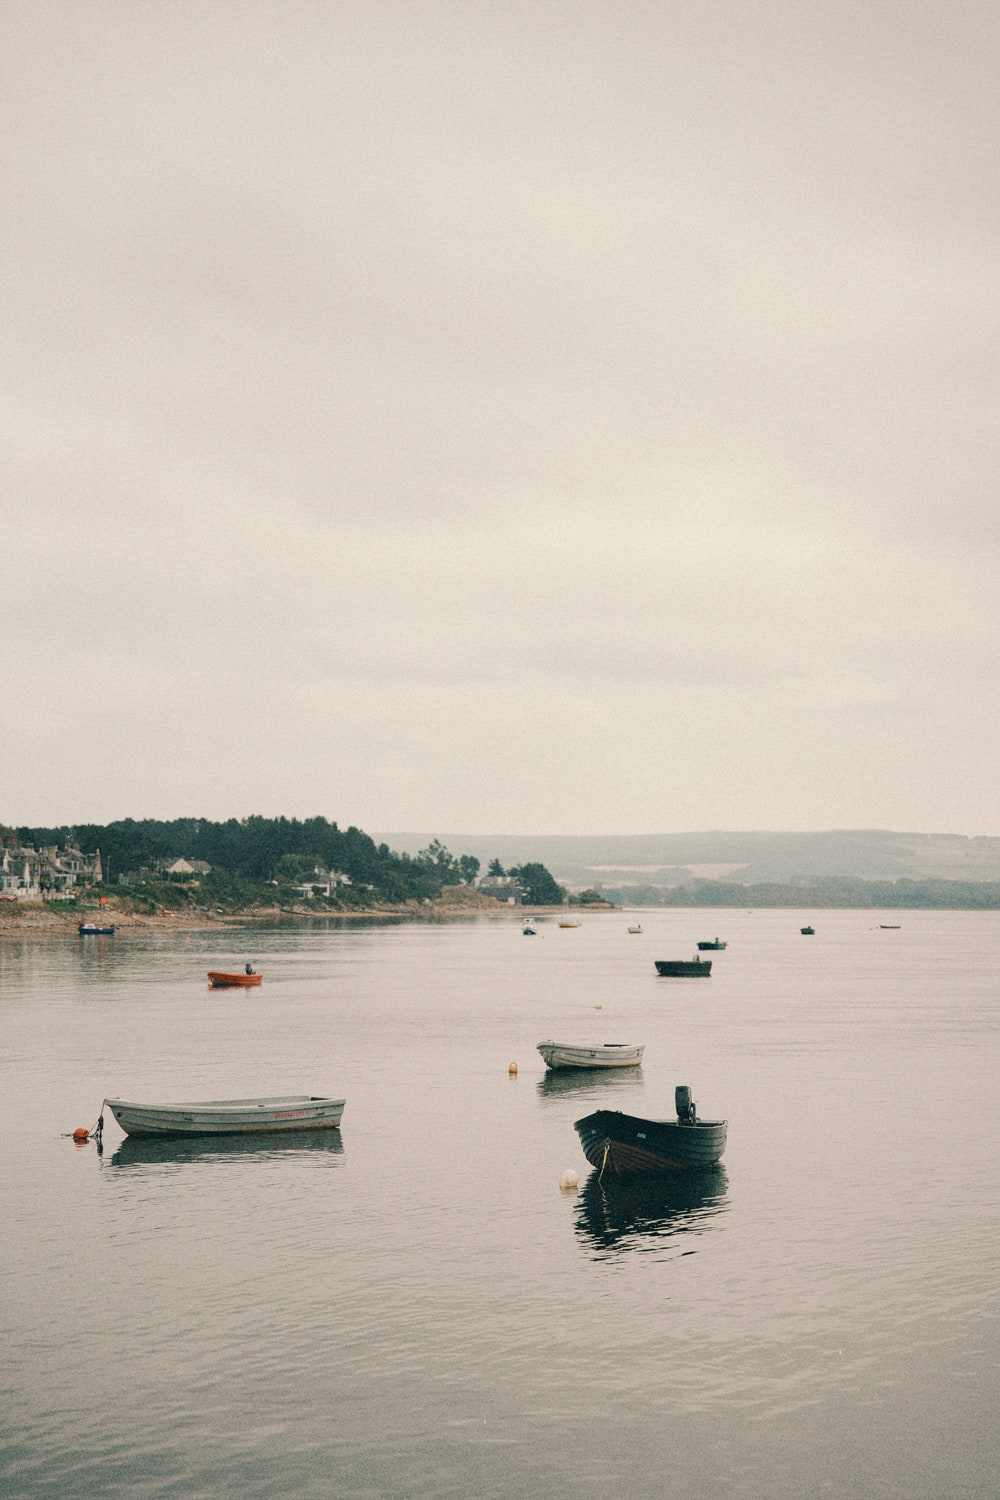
(808, 931)
(684, 968)
(716, 943)
(626, 1144)
(91, 929)
(220, 981)
(889, 926)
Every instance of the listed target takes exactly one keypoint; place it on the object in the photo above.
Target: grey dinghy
(627, 1144)
(229, 1116)
(603, 1055)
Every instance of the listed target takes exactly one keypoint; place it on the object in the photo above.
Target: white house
(20, 875)
(187, 867)
(323, 883)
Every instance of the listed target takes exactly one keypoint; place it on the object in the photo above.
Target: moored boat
(601, 1055)
(626, 1144)
(91, 929)
(684, 968)
(221, 981)
(715, 943)
(569, 924)
(528, 930)
(637, 928)
(229, 1116)
(808, 931)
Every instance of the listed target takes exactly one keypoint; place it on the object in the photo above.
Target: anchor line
(604, 1162)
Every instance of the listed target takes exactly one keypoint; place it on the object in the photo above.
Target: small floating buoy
(512, 1069)
(81, 1134)
(598, 1007)
(569, 1180)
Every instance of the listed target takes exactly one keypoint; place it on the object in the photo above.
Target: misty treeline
(257, 849)
(957, 895)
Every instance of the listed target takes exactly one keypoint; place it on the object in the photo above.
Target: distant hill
(578, 861)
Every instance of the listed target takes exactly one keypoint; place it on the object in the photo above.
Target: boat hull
(228, 1116)
(711, 947)
(88, 929)
(684, 968)
(629, 1146)
(610, 1055)
(233, 981)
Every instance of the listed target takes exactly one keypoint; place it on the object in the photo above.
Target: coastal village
(47, 874)
(58, 874)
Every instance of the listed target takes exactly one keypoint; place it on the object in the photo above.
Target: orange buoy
(81, 1133)
(512, 1069)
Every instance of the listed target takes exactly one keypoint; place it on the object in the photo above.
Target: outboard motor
(684, 1105)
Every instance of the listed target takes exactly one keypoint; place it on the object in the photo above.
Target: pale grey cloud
(577, 418)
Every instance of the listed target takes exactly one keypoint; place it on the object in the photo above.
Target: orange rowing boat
(239, 981)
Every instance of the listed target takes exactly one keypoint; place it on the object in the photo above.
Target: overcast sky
(555, 416)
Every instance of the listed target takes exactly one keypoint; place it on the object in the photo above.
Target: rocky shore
(38, 917)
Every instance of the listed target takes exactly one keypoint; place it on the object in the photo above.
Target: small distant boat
(603, 1055)
(569, 924)
(91, 929)
(529, 931)
(808, 931)
(684, 968)
(628, 1145)
(636, 929)
(244, 981)
(889, 926)
(715, 943)
(229, 1116)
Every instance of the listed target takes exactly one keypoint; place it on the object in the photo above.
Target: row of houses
(51, 873)
(46, 874)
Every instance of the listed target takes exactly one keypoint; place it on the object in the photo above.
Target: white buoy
(569, 1180)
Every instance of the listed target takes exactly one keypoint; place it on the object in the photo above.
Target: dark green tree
(538, 885)
(437, 858)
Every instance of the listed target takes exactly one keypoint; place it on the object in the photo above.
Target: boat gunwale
(256, 1116)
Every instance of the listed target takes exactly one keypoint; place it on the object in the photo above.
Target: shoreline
(25, 918)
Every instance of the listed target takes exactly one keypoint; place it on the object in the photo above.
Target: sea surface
(412, 1306)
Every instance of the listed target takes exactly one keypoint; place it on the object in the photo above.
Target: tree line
(258, 850)
(836, 891)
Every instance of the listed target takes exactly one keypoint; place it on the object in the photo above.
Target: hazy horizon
(566, 417)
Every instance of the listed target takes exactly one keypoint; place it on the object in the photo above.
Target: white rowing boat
(228, 1116)
(603, 1055)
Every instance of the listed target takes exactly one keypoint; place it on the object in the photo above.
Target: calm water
(413, 1308)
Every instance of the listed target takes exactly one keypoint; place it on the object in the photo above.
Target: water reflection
(585, 1080)
(641, 1214)
(322, 1146)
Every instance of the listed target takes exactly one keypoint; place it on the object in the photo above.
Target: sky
(543, 417)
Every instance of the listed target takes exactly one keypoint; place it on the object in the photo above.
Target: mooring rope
(83, 1134)
(604, 1162)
